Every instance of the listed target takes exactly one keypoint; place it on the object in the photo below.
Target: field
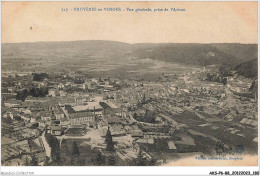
(123, 67)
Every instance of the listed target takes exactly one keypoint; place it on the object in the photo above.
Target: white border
(122, 170)
(117, 170)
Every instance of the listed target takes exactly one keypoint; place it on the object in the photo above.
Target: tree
(55, 148)
(99, 159)
(21, 95)
(7, 120)
(75, 150)
(142, 161)
(220, 148)
(39, 76)
(65, 153)
(39, 92)
(109, 141)
(111, 160)
(34, 160)
(64, 147)
(27, 162)
(78, 161)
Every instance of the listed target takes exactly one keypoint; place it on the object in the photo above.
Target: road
(46, 145)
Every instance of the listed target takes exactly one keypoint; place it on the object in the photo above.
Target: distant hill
(192, 54)
(247, 69)
(71, 49)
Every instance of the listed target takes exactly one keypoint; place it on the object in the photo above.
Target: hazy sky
(202, 22)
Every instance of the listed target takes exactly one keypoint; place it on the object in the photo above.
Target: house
(113, 120)
(32, 125)
(19, 108)
(11, 90)
(137, 133)
(42, 123)
(45, 115)
(58, 113)
(62, 93)
(56, 130)
(68, 84)
(61, 86)
(64, 122)
(52, 93)
(248, 122)
(145, 141)
(48, 122)
(26, 117)
(172, 146)
(127, 129)
(186, 143)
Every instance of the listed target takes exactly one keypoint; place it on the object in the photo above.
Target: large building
(81, 118)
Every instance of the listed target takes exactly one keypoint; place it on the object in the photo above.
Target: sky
(202, 22)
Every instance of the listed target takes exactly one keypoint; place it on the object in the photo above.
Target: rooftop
(89, 106)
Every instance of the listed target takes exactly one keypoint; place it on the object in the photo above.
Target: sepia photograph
(129, 83)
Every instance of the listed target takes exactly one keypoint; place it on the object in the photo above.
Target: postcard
(136, 83)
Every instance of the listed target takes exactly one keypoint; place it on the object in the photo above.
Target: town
(71, 118)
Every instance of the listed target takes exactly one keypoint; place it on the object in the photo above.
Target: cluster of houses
(100, 104)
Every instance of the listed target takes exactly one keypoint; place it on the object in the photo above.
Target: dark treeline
(35, 92)
(39, 76)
